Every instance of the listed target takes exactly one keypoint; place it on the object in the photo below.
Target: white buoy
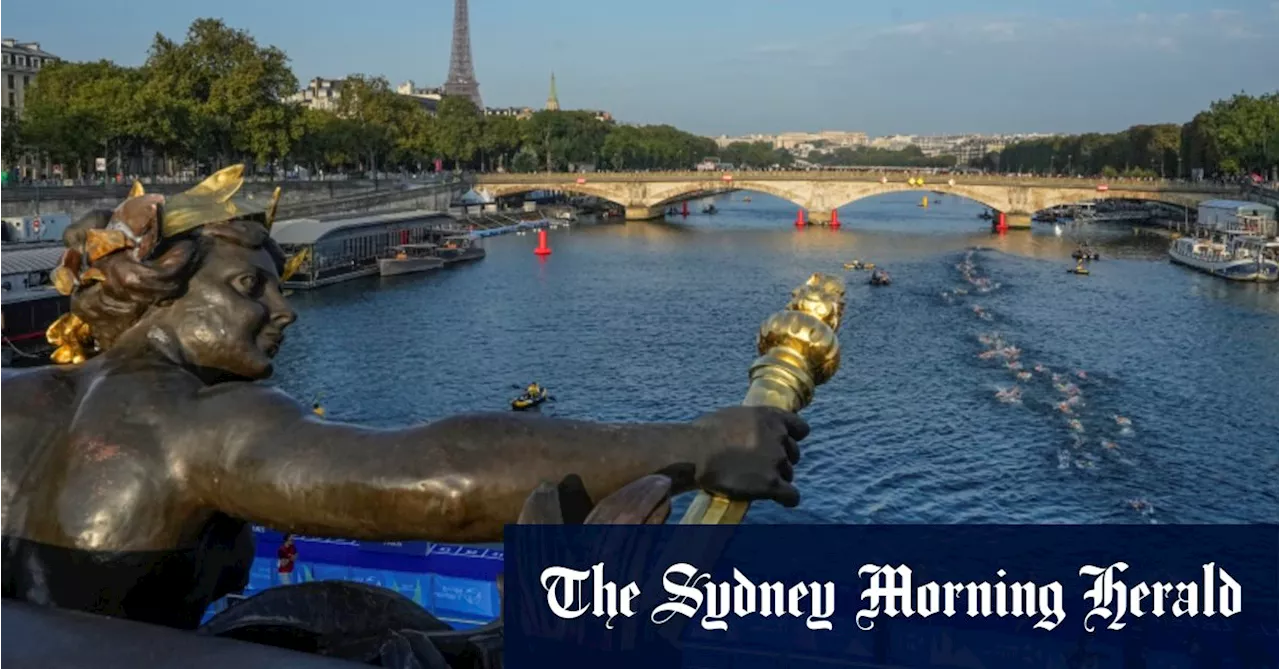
(1057, 229)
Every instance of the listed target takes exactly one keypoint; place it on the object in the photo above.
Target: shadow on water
(656, 321)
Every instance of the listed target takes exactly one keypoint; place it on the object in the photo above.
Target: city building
(553, 101)
(322, 94)
(22, 61)
(518, 112)
(408, 88)
(976, 148)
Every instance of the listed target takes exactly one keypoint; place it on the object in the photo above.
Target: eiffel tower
(462, 75)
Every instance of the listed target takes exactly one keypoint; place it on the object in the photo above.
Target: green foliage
(458, 129)
(1232, 136)
(11, 142)
(757, 155)
(653, 147)
(865, 156)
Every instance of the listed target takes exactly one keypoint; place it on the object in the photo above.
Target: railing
(82, 191)
(930, 179)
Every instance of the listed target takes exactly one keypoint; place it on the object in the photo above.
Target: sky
(752, 66)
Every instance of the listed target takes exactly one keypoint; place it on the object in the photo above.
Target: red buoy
(543, 249)
(835, 218)
(800, 218)
(1001, 224)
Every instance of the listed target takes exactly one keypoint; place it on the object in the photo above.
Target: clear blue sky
(742, 66)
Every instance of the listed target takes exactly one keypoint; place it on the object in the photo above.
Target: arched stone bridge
(646, 195)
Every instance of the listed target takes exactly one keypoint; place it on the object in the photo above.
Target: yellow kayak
(528, 402)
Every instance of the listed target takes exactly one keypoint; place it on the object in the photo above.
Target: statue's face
(232, 318)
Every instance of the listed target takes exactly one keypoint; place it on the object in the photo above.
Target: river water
(656, 322)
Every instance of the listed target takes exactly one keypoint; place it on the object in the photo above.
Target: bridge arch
(672, 195)
(504, 190)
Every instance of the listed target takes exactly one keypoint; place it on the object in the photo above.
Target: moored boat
(30, 302)
(1238, 257)
(410, 258)
(461, 248)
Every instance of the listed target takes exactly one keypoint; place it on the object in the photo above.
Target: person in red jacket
(285, 559)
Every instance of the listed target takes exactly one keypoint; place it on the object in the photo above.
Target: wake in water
(1065, 396)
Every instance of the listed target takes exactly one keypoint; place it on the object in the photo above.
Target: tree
(501, 136)
(459, 125)
(12, 140)
(224, 92)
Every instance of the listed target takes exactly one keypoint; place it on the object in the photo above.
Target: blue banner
(902, 596)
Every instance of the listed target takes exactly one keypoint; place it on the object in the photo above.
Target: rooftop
(25, 261)
(31, 48)
(312, 230)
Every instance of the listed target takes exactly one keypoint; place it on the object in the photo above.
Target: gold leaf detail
(102, 243)
(64, 280)
(70, 335)
(294, 263)
(221, 185)
(271, 209)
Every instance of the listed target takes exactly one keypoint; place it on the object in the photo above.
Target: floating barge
(343, 247)
(30, 302)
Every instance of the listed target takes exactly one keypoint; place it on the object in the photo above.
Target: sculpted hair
(131, 287)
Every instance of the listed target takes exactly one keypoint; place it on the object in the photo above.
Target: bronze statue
(132, 470)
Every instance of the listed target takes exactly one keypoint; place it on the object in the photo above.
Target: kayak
(1078, 270)
(526, 402)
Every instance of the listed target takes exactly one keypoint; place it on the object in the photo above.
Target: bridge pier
(819, 216)
(642, 213)
(1018, 221)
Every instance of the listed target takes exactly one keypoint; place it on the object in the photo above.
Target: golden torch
(798, 352)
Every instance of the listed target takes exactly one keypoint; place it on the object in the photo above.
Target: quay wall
(76, 201)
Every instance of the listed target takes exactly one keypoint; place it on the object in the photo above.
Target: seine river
(1175, 414)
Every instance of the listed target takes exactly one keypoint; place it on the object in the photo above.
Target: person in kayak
(533, 390)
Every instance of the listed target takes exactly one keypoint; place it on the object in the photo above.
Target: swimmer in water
(1009, 395)
(1080, 373)
(1064, 407)
(1024, 376)
(1142, 506)
(1071, 389)
(1076, 425)
(1013, 365)
(1075, 400)
(1109, 445)
(1040, 368)
(1121, 420)
(1057, 379)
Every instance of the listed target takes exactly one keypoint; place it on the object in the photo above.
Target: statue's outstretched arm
(257, 454)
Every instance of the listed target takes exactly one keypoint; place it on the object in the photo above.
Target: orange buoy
(835, 218)
(800, 218)
(543, 249)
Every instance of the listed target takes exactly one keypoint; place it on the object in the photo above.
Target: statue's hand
(749, 452)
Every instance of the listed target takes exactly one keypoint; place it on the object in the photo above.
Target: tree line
(1233, 137)
(219, 98)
